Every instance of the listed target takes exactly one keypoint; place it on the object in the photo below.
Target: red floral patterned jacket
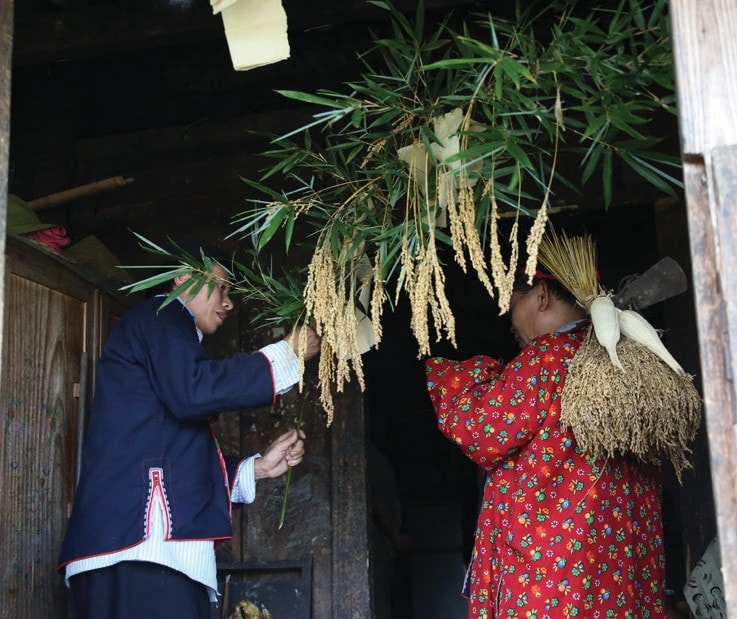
(559, 534)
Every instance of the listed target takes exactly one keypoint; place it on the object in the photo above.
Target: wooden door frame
(705, 58)
(6, 61)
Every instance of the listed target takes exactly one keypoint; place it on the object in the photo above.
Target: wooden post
(6, 55)
(351, 583)
(705, 54)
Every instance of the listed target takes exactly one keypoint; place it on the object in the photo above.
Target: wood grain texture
(722, 421)
(705, 54)
(717, 370)
(351, 585)
(53, 316)
(44, 339)
(6, 54)
(110, 26)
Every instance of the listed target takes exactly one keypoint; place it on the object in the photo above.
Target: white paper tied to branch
(256, 31)
(415, 155)
(364, 327)
(364, 332)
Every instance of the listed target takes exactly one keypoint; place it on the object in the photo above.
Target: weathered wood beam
(6, 48)
(705, 53)
(351, 583)
(96, 30)
(115, 27)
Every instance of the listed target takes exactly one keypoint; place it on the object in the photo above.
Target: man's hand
(313, 341)
(286, 451)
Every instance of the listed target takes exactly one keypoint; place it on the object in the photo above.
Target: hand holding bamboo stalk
(286, 451)
(306, 344)
(283, 513)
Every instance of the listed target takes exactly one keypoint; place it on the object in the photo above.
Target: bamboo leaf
(607, 177)
(270, 227)
(653, 175)
(607, 69)
(306, 97)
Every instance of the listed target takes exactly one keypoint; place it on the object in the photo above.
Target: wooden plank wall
(48, 326)
(705, 53)
(39, 420)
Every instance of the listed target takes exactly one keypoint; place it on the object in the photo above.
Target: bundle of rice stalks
(624, 395)
(646, 412)
(246, 609)
(572, 261)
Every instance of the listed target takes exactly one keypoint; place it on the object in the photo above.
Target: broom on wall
(625, 395)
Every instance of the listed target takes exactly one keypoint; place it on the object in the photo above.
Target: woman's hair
(557, 289)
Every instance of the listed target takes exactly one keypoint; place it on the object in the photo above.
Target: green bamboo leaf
(172, 296)
(285, 164)
(306, 97)
(611, 65)
(289, 232)
(398, 18)
(357, 117)
(193, 285)
(654, 176)
(276, 196)
(591, 161)
(290, 309)
(270, 227)
(519, 155)
(517, 71)
(597, 125)
(154, 280)
(150, 245)
(606, 177)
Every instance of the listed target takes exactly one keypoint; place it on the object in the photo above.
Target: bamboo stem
(283, 513)
(55, 199)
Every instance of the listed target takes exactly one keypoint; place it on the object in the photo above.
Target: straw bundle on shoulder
(648, 412)
(621, 397)
(572, 261)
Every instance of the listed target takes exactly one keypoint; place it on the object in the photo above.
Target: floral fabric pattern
(559, 533)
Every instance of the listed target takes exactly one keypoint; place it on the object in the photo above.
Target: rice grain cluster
(646, 412)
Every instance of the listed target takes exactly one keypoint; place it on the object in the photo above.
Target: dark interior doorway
(437, 486)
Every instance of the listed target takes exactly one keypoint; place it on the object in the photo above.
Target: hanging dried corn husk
(624, 394)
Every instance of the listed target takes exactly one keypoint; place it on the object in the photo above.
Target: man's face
(211, 308)
(523, 308)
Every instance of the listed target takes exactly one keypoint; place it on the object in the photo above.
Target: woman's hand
(286, 451)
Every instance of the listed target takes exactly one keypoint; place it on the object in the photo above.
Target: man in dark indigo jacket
(155, 492)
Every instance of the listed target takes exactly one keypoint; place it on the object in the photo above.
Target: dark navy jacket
(155, 390)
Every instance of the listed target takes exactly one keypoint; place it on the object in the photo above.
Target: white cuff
(244, 488)
(284, 365)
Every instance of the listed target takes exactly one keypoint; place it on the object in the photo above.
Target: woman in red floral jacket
(559, 534)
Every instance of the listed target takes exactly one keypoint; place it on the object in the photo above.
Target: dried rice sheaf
(246, 609)
(648, 412)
